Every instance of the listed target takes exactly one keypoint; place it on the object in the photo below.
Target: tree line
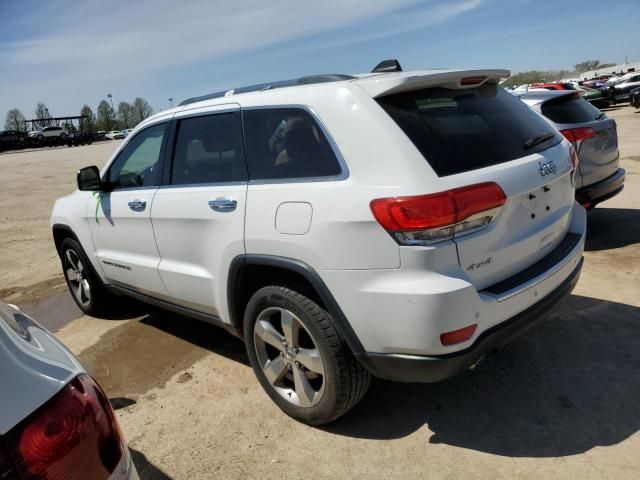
(127, 115)
(539, 76)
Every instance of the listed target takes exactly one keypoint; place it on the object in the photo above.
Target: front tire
(299, 358)
(85, 286)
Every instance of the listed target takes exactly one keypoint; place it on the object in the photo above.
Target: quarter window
(138, 164)
(209, 149)
(287, 143)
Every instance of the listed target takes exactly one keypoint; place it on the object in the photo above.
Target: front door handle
(223, 204)
(137, 205)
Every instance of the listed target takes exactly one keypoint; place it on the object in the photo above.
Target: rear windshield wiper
(599, 116)
(538, 139)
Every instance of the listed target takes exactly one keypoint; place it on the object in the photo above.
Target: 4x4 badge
(546, 167)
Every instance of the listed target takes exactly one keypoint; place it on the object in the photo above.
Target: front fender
(71, 214)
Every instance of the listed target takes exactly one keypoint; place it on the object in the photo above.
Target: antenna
(390, 65)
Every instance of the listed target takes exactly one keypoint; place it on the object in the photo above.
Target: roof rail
(308, 80)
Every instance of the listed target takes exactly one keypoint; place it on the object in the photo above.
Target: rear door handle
(137, 205)
(223, 204)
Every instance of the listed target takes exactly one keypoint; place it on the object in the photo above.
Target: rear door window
(209, 149)
(569, 109)
(462, 130)
(286, 143)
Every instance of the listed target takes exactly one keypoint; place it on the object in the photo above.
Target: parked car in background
(623, 88)
(55, 420)
(12, 139)
(395, 224)
(595, 83)
(49, 132)
(634, 98)
(126, 132)
(597, 98)
(554, 86)
(115, 134)
(615, 79)
(593, 135)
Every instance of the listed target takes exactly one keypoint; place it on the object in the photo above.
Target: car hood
(34, 366)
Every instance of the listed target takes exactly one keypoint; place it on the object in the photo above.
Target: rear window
(569, 109)
(462, 130)
(208, 149)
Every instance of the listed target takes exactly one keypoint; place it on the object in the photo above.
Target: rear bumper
(603, 190)
(429, 369)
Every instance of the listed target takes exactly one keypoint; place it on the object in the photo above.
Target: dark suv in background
(12, 138)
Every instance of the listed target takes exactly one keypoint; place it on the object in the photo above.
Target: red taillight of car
(575, 135)
(458, 336)
(73, 436)
(425, 219)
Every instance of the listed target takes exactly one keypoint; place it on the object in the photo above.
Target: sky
(67, 53)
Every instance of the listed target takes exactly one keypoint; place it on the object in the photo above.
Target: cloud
(89, 44)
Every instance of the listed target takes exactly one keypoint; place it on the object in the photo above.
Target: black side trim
(562, 250)
(414, 368)
(603, 190)
(340, 321)
(66, 228)
(187, 312)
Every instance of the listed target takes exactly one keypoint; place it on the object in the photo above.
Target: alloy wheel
(77, 276)
(289, 356)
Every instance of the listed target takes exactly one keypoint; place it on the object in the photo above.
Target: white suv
(49, 132)
(399, 224)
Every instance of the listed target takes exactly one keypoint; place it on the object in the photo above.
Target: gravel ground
(561, 402)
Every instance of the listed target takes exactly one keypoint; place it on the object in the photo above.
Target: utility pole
(112, 109)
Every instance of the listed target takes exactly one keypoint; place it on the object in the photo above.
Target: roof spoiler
(381, 85)
(390, 65)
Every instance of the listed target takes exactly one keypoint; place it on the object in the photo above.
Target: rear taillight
(73, 436)
(425, 219)
(575, 135)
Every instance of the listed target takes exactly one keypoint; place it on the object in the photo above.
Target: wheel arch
(60, 232)
(248, 273)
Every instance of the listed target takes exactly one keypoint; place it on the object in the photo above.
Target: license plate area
(541, 201)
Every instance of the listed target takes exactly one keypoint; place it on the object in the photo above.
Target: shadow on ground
(146, 470)
(570, 384)
(146, 352)
(609, 228)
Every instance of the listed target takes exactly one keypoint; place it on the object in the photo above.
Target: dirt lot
(562, 402)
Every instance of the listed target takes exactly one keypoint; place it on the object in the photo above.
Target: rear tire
(85, 287)
(299, 358)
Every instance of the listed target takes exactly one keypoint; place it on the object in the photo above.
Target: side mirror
(89, 179)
